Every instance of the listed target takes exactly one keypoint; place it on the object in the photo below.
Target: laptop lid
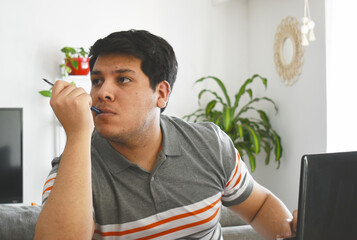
(328, 197)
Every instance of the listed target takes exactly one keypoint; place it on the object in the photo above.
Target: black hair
(158, 57)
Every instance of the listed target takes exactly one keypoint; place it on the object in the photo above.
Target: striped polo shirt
(197, 170)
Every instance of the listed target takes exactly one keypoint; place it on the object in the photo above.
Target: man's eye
(124, 80)
(96, 82)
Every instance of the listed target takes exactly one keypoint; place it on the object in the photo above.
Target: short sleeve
(50, 180)
(239, 185)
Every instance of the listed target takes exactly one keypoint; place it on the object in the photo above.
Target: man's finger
(286, 228)
(294, 222)
(58, 86)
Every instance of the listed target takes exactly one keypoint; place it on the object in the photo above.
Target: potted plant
(76, 61)
(248, 126)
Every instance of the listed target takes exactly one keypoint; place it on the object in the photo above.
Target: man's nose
(106, 92)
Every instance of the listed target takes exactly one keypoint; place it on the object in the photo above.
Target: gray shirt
(197, 170)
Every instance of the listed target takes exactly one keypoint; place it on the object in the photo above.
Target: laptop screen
(328, 197)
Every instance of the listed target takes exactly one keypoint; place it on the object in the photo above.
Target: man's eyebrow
(124, 70)
(95, 72)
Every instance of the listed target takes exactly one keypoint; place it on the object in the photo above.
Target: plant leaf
(68, 69)
(71, 50)
(241, 92)
(220, 84)
(217, 121)
(240, 130)
(83, 52)
(244, 108)
(278, 149)
(251, 157)
(74, 64)
(210, 106)
(188, 117)
(199, 116)
(249, 91)
(267, 149)
(227, 118)
(68, 51)
(270, 100)
(265, 118)
(46, 93)
(254, 137)
(213, 93)
(264, 80)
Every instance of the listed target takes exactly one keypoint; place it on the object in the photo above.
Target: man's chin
(105, 132)
(108, 133)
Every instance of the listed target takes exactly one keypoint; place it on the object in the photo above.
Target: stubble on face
(132, 102)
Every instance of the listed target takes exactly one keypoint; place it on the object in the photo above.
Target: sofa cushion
(229, 218)
(18, 222)
(244, 232)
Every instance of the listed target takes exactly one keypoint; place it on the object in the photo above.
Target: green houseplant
(76, 62)
(248, 126)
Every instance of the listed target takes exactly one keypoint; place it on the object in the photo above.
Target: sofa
(18, 223)
(235, 228)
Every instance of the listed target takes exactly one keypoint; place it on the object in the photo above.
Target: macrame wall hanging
(288, 52)
(307, 28)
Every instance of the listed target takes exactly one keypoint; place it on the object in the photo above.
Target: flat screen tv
(11, 155)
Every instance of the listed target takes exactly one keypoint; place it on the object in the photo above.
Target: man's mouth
(106, 110)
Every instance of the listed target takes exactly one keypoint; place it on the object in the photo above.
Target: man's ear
(163, 91)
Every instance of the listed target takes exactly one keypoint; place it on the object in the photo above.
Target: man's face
(122, 91)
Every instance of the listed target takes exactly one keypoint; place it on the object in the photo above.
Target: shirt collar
(117, 162)
(170, 139)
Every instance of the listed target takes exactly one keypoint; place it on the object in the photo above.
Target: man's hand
(67, 213)
(288, 227)
(72, 107)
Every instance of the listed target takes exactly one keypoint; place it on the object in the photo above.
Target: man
(140, 174)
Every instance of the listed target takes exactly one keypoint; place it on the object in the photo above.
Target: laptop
(328, 197)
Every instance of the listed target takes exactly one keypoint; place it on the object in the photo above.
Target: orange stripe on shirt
(47, 189)
(238, 180)
(181, 227)
(49, 180)
(147, 227)
(236, 170)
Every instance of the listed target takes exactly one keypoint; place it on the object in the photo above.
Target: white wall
(208, 39)
(301, 120)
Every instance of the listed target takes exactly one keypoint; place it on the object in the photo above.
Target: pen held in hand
(94, 109)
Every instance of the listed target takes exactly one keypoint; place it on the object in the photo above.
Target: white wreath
(288, 72)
